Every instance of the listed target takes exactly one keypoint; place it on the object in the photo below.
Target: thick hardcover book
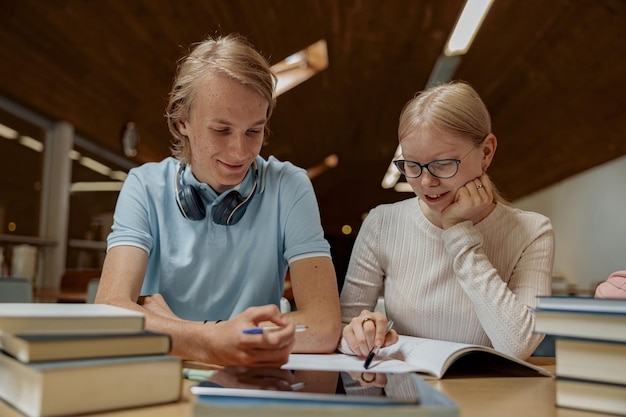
(584, 317)
(47, 318)
(591, 396)
(60, 388)
(582, 304)
(594, 360)
(51, 347)
(341, 396)
(432, 358)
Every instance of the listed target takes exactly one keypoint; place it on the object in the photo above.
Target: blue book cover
(582, 304)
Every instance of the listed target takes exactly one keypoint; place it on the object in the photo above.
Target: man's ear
(181, 125)
(489, 149)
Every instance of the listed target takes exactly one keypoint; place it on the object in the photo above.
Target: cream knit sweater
(470, 283)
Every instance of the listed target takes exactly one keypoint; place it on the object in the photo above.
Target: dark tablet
(270, 387)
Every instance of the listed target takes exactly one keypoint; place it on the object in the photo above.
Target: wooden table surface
(476, 397)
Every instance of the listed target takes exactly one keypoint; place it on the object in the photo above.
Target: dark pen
(374, 351)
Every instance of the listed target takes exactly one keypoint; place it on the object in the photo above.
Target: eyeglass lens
(444, 168)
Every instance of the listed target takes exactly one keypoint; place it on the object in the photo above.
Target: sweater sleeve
(504, 304)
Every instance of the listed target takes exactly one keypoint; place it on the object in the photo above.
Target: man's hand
(226, 344)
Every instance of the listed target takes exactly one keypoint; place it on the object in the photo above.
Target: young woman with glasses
(455, 262)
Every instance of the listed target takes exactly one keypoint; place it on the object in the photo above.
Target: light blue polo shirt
(207, 271)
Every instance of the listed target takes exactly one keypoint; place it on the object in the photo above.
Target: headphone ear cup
(191, 203)
(222, 212)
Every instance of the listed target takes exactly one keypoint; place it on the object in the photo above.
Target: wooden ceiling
(553, 74)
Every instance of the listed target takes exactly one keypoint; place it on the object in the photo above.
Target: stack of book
(68, 359)
(590, 349)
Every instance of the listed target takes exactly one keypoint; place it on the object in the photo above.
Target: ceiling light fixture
(96, 186)
(8, 133)
(403, 187)
(74, 155)
(299, 67)
(31, 143)
(467, 26)
(95, 166)
(118, 175)
(461, 38)
(331, 161)
(392, 175)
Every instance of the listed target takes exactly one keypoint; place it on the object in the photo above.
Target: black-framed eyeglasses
(440, 168)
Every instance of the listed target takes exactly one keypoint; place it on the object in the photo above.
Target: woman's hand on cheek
(470, 200)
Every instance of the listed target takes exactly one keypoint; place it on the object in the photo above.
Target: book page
(426, 355)
(431, 358)
(435, 357)
(410, 354)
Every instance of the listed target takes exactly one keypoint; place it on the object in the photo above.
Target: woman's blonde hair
(453, 106)
(231, 55)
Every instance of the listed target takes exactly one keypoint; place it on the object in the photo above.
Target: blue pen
(261, 330)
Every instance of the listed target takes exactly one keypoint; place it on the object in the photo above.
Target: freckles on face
(225, 130)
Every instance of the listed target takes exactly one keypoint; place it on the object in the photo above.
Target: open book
(432, 358)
